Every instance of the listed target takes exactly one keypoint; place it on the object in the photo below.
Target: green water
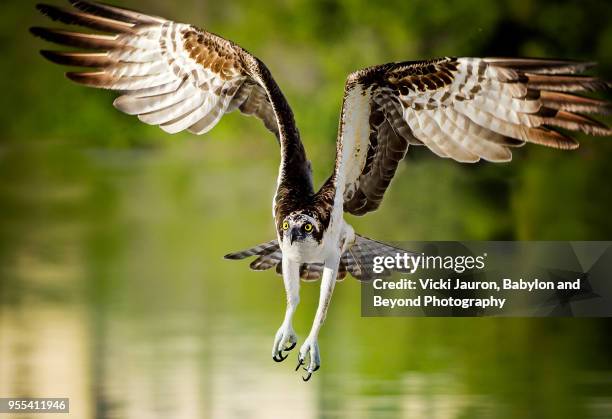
(114, 293)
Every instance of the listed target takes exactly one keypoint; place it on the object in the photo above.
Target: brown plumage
(465, 109)
(170, 73)
(133, 55)
(181, 77)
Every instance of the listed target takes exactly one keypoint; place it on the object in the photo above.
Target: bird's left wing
(170, 74)
(465, 109)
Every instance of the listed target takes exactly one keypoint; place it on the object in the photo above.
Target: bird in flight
(180, 77)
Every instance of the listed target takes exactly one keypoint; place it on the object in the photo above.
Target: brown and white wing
(465, 109)
(170, 74)
(357, 260)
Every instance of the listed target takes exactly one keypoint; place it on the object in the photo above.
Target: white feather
(355, 138)
(175, 111)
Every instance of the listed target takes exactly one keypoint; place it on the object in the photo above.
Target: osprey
(180, 77)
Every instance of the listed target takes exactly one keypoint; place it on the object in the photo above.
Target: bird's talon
(308, 370)
(307, 377)
(279, 357)
(285, 336)
(300, 363)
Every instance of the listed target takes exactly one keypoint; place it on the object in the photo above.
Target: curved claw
(300, 363)
(309, 373)
(280, 357)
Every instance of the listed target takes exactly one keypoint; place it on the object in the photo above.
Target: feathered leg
(310, 348)
(285, 339)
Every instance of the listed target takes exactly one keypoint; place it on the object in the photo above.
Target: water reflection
(45, 353)
(169, 367)
(114, 294)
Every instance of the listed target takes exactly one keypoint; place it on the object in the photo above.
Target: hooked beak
(294, 234)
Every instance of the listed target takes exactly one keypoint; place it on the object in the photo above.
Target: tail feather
(357, 260)
(360, 262)
(261, 249)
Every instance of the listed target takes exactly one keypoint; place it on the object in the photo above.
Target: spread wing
(465, 109)
(357, 260)
(170, 74)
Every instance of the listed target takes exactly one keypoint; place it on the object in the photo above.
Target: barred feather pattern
(170, 74)
(357, 260)
(465, 109)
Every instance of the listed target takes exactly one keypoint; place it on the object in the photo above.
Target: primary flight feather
(180, 77)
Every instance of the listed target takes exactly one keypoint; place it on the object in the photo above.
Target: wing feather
(566, 83)
(79, 59)
(207, 122)
(574, 103)
(181, 109)
(479, 141)
(72, 17)
(135, 105)
(425, 126)
(460, 108)
(76, 39)
(115, 13)
(170, 74)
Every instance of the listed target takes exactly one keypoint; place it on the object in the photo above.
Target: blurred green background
(113, 290)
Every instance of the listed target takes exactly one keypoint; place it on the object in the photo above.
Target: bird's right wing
(170, 74)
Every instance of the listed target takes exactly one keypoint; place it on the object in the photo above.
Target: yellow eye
(285, 225)
(308, 227)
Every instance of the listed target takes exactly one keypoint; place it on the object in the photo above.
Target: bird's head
(301, 227)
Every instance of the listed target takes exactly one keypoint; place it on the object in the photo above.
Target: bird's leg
(309, 352)
(285, 339)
